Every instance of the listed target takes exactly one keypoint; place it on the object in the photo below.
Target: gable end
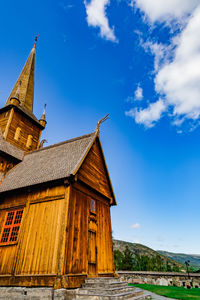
(94, 173)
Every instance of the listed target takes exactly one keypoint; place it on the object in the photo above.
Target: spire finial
(100, 122)
(44, 111)
(36, 38)
(43, 117)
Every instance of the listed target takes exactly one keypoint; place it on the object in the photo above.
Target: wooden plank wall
(27, 128)
(4, 120)
(105, 259)
(93, 171)
(77, 234)
(77, 252)
(40, 247)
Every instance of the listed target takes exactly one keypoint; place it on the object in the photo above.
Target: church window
(11, 227)
(29, 141)
(92, 206)
(17, 134)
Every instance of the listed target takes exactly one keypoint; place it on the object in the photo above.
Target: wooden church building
(55, 225)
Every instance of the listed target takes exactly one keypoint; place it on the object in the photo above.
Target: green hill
(141, 250)
(181, 258)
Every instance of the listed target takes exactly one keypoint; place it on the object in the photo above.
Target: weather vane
(100, 122)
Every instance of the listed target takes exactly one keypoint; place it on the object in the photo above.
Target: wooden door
(92, 240)
(92, 253)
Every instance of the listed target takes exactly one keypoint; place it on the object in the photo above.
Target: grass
(171, 291)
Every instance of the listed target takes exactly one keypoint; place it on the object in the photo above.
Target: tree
(127, 261)
(118, 256)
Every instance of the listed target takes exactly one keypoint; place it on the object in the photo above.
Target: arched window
(29, 141)
(17, 134)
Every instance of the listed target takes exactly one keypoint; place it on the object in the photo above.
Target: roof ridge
(61, 143)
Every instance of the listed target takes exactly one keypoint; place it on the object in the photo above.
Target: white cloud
(139, 93)
(148, 116)
(135, 226)
(161, 52)
(176, 66)
(158, 10)
(96, 17)
(179, 80)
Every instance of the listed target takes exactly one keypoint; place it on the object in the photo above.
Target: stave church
(55, 224)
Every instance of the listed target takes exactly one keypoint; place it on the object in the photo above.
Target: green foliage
(118, 256)
(126, 261)
(170, 291)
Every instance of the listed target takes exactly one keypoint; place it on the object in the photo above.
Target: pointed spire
(24, 87)
(18, 90)
(43, 117)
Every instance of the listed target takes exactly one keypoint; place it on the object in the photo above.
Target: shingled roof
(50, 163)
(11, 150)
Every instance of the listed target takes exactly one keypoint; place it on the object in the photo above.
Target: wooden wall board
(40, 246)
(93, 171)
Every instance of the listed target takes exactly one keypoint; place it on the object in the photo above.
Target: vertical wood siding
(40, 246)
(4, 120)
(104, 239)
(93, 171)
(78, 251)
(77, 234)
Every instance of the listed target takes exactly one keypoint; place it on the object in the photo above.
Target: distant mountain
(143, 250)
(181, 258)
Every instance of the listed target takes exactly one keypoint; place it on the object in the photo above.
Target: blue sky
(139, 61)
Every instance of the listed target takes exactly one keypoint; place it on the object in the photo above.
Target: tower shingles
(25, 84)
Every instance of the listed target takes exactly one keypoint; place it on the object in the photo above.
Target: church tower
(18, 124)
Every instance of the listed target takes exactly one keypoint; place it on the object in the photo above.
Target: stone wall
(45, 293)
(161, 278)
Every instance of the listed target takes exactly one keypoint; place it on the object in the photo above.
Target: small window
(11, 227)
(29, 141)
(92, 206)
(17, 134)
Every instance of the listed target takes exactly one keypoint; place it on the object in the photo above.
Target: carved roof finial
(42, 143)
(100, 122)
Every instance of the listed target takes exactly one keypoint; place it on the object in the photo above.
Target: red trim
(11, 227)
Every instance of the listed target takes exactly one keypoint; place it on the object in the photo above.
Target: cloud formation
(96, 17)
(157, 10)
(176, 66)
(149, 115)
(139, 93)
(135, 226)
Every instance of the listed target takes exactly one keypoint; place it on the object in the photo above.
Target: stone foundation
(23, 293)
(162, 278)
